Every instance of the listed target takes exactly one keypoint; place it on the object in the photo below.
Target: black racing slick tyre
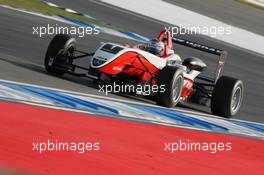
(59, 53)
(171, 81)
(227, 97)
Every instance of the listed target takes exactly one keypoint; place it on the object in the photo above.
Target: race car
(154, 63)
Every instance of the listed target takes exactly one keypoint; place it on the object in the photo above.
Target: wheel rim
(69, 55)
(236, 99)
(70, 52)
(177, 88)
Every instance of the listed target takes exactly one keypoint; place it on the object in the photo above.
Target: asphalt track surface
(228, 11)
(22, 54)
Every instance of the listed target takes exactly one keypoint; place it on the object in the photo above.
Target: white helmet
(155, 47)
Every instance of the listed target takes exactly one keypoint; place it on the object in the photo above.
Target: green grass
(43, 8)
(246, 2)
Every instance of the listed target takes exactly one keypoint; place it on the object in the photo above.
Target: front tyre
(59, 53)
(171, 79)
(227, 97)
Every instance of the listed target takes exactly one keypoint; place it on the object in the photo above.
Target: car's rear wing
(221, 53)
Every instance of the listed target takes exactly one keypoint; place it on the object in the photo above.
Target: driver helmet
(155, 47)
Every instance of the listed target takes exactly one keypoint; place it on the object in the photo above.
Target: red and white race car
(153, 64)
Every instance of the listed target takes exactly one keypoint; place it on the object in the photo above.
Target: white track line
(256, 2)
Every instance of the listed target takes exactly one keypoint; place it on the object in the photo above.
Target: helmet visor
(154, 50)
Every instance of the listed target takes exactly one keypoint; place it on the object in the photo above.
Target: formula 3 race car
(152, 64)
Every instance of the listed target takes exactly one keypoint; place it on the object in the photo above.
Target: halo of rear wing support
(221, 53)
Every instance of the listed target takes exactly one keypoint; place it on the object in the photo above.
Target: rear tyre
(171, 79)
(59, 52)
(227, 97)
